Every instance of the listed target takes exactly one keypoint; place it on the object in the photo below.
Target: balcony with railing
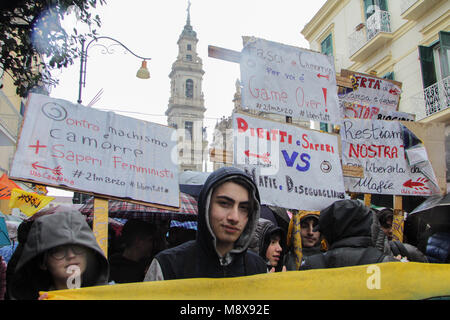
(437, 97)
(372, 36)
(414, 9)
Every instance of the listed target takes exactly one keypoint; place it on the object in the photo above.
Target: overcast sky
(151, 29)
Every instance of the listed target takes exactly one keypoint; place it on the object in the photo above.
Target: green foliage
(33, 42)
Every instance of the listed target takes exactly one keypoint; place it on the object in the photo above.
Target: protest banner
(351, 109)
(290, 81)
(372, 91)
(83, 149)
(379, 148)
(390, 280)
(6, 185)
(293, 167)
(28, 202)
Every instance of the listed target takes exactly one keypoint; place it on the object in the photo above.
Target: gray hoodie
(49, 231)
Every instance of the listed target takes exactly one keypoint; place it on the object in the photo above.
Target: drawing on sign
(289, 81)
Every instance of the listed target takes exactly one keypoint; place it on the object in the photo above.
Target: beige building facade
(404, 40)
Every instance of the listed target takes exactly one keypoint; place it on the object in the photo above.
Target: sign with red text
(378, 147)
(293, 167)
(350, 109)
(290, 81)
(80, 148)
(375, 93)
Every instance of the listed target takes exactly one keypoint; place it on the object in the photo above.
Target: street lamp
(142, 73)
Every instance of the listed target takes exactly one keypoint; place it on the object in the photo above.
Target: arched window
(189, 88)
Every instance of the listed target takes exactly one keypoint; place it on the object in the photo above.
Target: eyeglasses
(61, 252)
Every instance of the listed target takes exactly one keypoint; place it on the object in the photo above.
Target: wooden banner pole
(100, 223)
(398, 220)
(367, 199)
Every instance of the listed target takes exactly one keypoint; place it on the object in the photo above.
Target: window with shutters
(434, 63)
(327, 45)
(371, 6)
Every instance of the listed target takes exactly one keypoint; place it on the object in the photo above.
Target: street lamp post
(142, 73)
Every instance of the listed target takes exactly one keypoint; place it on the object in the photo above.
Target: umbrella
(191, 182)
(435, 210)
(430, 216)
(129, 210)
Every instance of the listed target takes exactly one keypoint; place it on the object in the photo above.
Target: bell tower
(186, 108)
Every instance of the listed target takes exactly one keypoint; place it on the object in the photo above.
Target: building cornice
(324, 16)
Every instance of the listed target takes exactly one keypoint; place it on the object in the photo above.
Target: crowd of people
(234, 235)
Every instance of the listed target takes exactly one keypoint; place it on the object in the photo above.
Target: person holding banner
(311, 241)
(347, 228)
(61, 252)
(228, 212)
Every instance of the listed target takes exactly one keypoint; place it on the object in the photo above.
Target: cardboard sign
(350, 109)
(373, 91)
(379, 149)
(85, 149)
(290, 81)
(293, 167)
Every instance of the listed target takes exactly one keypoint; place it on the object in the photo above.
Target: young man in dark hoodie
(228, 212)
(346, 225)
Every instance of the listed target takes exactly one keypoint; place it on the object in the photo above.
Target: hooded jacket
(347, 226)
(47, 232)
(199, 258)
(261, 241)
(290, 257)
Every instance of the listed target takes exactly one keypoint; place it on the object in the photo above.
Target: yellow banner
(28, 202)
(392, 280)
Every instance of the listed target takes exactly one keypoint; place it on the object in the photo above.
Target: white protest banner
(80, 148)
(368, 90)
(351, 109)
(378, 147)
(290, 81)
(293, 167)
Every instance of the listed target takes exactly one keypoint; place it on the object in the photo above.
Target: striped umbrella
(129, 210)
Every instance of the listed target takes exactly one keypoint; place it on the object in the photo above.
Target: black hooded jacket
(346, 225)
(199, 258)
(261, 241)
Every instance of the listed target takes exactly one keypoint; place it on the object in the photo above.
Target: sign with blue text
(290, 81)
(293, 167)
(85, 149)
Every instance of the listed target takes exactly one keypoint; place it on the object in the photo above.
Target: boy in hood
(228, 212)
(269, 241)
(61, 252)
